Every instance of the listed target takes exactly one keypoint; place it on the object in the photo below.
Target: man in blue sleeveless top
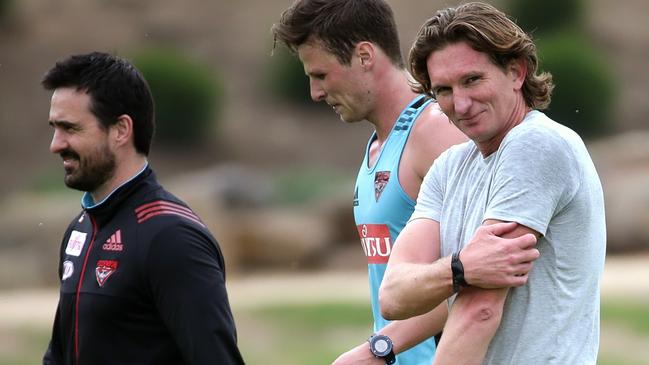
(351, 53)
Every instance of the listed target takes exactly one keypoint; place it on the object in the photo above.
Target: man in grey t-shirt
(520, 167)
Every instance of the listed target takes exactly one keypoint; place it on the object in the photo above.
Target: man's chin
(347, 119)
(74, 183)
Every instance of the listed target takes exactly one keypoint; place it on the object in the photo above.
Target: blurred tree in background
(285, 77)
(5, 9)
(547, 16)
(188, 96)
(584, 94)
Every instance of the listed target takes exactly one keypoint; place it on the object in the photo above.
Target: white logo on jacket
(75, 243)
(68, 270)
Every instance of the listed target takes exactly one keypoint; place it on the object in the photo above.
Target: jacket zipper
(76, 309)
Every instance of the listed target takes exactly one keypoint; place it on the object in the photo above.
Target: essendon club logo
(114, 242)
(376, 242)
(104, 269)
(381, 179)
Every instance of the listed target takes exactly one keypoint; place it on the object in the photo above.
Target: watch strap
(458, 272)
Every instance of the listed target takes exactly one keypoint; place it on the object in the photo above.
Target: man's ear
(517, 70)
(122, 131)
(366, 54)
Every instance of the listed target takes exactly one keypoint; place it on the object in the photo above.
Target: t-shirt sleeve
(431, 192)
(186, 276)
(535, 177)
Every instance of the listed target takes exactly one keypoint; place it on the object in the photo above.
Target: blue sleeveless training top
(381, 210)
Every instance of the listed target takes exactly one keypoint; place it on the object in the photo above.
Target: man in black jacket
(142, 278)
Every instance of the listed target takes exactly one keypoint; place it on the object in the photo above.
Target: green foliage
(584, 94)
(585, 90)
(286, 79)
(301, 186)
(5, 9)
(546, 15)
(187, 94)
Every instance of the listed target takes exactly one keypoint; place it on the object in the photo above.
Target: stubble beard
(93, 171)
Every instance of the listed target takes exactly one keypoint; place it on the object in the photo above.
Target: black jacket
(142, 282)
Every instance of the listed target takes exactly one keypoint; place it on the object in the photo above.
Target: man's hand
(359, 355)
(491, 261)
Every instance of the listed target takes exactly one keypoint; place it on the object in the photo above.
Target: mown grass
(631, 315)
(315, 334)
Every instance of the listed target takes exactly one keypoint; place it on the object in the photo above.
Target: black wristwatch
(381, 347)
(458, 272)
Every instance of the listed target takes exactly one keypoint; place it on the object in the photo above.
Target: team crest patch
(381, 179)
(104, 269)
(75, 243)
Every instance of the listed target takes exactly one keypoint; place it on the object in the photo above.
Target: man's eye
(441, 90)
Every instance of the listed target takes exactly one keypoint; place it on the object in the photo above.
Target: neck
(393, 94)
(515, 118)
(124, 171)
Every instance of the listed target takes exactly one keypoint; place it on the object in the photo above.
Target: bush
(187, 94)
(5, 9)
(544, 16)
(286, 78)
(584, 93)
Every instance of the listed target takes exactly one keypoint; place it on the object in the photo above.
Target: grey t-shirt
(541, 177)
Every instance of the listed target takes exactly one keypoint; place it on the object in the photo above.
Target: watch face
(381, 345)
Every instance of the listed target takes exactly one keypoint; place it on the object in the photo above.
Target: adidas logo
(114, 243)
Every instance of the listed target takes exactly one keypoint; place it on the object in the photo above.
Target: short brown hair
(340, 25)
(485, 29)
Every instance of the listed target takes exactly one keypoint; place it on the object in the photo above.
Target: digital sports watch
(381, 347)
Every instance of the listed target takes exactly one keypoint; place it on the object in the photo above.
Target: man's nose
(317, 92)
(58, 143)
(461, 102)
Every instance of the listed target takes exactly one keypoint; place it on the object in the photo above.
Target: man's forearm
(408, 333)
(404, 335)
(472, 323)
(411, 289)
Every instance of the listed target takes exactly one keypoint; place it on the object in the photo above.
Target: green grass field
(315, 334)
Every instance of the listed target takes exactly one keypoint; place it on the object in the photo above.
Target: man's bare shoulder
(434, 132)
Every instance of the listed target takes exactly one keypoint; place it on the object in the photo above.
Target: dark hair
(115, 87)
(485, 29)
(340, 25)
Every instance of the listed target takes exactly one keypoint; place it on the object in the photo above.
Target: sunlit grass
(315, 334)
(634, 316)
(318, 316)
